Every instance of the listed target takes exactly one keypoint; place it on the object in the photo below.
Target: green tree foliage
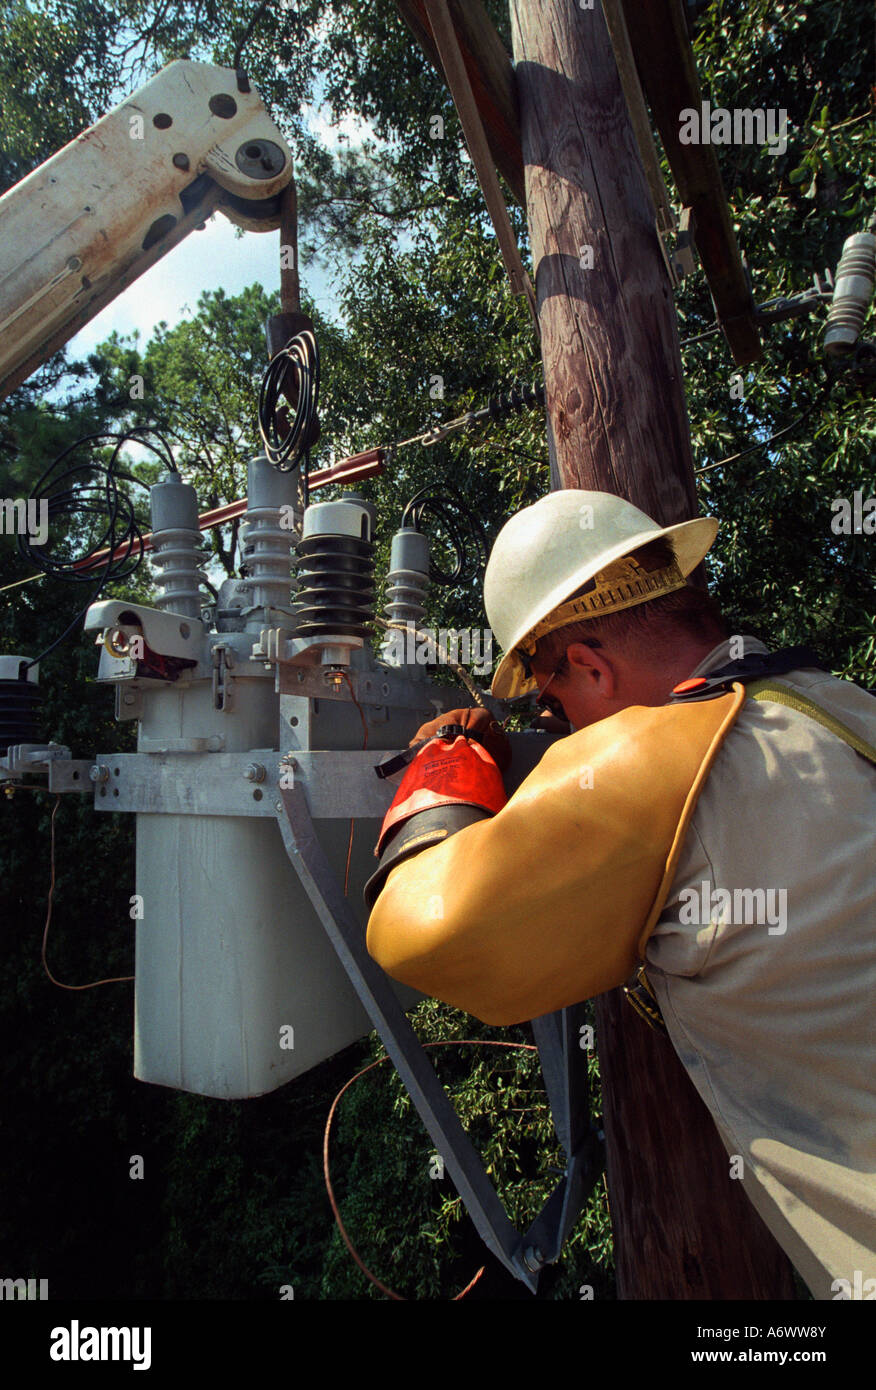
(52, 80)
(233, 1204)
(778, 567)
(496, 1087)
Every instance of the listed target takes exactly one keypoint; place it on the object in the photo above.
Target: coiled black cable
(460, 525)
(67, 493)
(292, 372)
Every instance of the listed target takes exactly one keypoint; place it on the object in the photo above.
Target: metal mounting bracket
(223, 681)
(676, 244)
(557, 1039)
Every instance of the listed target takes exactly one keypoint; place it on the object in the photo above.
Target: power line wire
(779, 434)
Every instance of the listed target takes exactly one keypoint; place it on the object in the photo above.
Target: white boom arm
(80, 228)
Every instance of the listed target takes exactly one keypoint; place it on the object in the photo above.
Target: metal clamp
(223, 661)
(676, 245)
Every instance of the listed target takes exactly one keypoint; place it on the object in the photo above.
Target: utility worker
(710, 824)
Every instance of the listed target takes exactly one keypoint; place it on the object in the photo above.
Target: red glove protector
(479, 724)
(449, 785)
(457, 773)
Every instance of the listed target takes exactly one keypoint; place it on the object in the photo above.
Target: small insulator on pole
(406, 588)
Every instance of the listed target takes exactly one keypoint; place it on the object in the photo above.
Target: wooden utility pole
(683, 1229)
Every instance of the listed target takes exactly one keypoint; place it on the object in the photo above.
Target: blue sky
(209, 260)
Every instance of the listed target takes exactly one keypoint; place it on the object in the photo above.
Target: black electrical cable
(519, 397)
(779, 434)
(68, 494)
(292, 372)
(460, 525)
(516, 452)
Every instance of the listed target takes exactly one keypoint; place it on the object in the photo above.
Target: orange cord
(448, 1042)
(364, 745)
(115, 979)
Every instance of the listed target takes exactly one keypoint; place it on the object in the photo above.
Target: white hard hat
(548, 551)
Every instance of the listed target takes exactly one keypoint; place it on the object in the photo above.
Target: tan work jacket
(763, 961)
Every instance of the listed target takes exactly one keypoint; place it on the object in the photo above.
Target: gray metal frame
(563, 1064)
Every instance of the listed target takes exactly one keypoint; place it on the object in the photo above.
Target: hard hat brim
(691, 541)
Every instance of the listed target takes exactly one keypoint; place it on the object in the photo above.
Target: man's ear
(596, 669)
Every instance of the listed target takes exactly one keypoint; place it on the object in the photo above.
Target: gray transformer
(238, 989)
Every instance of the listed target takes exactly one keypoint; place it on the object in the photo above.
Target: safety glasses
(550, 702)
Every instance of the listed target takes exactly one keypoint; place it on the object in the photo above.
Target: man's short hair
(648, 627)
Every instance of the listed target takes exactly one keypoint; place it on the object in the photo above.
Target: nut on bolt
(533, 1258)
(99, 773)
(254, 772)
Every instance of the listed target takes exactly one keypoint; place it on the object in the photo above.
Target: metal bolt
(181, 161)
(255, 772)
(99, 773)
(533, 1258)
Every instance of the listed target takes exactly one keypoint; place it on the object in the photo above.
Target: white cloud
(350, 129)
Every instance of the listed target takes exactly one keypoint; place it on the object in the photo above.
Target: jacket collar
(728, 651)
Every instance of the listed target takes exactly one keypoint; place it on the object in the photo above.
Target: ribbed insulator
(406, 587)
(267, 551)
(852, 293)
(405, 592)
(335, 586)
(177, 554)
(19, 713)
